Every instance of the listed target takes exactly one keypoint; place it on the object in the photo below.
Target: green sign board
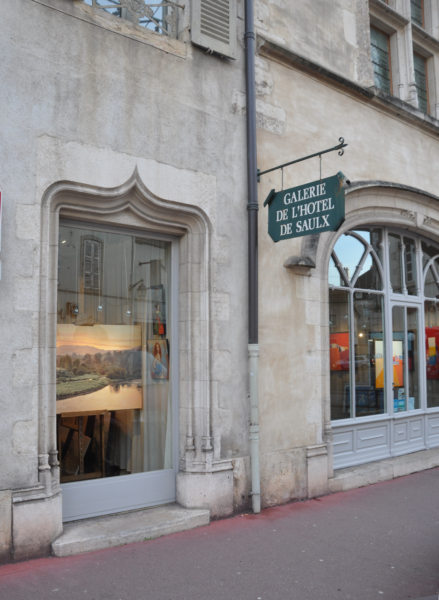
(312, 208)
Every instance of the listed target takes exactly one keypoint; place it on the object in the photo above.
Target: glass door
(405, 358)
(115, 371)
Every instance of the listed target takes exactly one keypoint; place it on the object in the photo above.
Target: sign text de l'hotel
(312, 208)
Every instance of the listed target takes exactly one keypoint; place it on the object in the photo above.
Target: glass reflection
(428, 252)
(349, 251)
(411, 271)
(369, 354)
(431, 312)
(334, 277)
(113, 395)
(369, 278)
(395, 263)
(413, 358)
(339, 328)
(431, 286)
(399, 358)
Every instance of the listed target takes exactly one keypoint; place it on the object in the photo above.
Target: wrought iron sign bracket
(340, 149)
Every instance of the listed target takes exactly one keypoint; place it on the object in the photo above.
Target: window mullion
(352, 354)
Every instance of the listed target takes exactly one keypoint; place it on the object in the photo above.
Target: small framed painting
(158, 359)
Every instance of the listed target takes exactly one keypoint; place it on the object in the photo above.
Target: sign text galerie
(312, 208)
(303, 210)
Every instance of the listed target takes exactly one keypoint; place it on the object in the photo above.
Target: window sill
(382, 10)
(370, 95)
(98, 18)
(424, 39)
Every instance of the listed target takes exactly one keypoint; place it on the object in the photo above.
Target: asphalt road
(377, 542)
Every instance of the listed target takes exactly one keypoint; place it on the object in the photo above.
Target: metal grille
(215, 19)
(417, 12)
(160, 17)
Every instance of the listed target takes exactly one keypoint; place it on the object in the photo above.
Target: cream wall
(294, 363)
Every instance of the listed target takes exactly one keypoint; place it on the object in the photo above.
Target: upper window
(380, 44)
(160, 17)
(417, 10)
(421, 81)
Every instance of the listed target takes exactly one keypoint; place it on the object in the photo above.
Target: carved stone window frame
(133, 205)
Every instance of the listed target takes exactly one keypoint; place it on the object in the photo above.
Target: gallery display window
(114, 368)
(384, 340)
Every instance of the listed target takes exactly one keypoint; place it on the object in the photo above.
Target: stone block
(317, 470)
(241, 484)
(207, 490)
(36, 525)
(115, 530)
(5, 527)
(283, 477)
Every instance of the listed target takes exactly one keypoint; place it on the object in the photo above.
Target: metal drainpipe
(252, 208)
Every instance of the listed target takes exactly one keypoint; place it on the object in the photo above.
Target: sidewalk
(381, 541)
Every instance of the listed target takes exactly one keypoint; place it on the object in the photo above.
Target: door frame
(97, 497)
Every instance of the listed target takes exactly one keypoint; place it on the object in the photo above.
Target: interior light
(361, 334)
(129, 312)
(63, 242)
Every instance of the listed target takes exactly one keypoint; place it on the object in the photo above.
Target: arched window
(383, 292)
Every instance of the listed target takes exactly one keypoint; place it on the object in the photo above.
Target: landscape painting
(98, 368)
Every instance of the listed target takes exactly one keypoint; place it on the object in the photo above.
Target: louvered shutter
(213, 25)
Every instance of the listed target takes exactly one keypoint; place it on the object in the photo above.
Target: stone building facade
(123, 288)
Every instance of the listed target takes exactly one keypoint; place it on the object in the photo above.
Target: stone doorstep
(383, 470)
(98, 533)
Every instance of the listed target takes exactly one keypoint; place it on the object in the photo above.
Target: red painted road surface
(377, 542)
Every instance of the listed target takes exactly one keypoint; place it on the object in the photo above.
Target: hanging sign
(312, 208)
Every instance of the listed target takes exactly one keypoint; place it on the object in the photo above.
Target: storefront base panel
(383, 470)
(114, 530)
(35, 525)
(212, 491)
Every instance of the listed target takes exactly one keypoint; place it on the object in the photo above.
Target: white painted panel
(400, 432)
(343, 442)
(372, 437)
(416, 429)
(433, 430)
(84, 499)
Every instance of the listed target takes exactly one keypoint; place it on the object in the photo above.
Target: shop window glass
(380, 47)
(113, 387)
(334, 277)
(431, 283)
(395, 263)
(428, 252)
(431, 312)
(349, 251)
(369, 351)
(405, 358)
(339, 332)
(411, 273)
(369, 277)
(413, 357)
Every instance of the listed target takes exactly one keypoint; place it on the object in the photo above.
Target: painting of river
(112, 397)
(98, 368)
